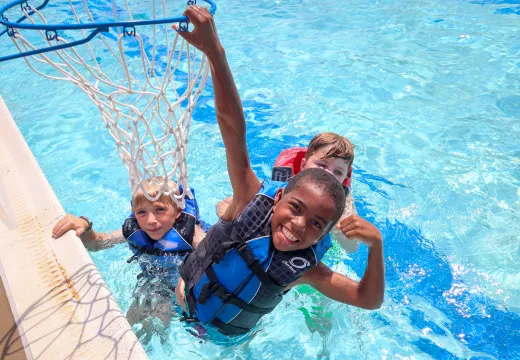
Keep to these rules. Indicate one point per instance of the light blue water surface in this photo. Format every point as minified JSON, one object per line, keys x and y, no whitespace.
{"x":428,"y":92}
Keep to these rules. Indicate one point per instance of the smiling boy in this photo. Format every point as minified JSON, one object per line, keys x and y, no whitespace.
{"x":269,"y":238}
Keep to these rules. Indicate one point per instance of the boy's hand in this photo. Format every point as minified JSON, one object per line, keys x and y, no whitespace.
{"x":179,"y":294}
{"x":204,"y":35}
{"x":69,"y":222}
{"x":355,"y":227}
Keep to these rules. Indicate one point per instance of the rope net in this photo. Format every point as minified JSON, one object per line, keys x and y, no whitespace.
{"x":144,"y":80}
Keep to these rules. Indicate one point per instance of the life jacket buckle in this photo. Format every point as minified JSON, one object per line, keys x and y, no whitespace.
{"x":213,"y":288}
{"x":188,"y":319}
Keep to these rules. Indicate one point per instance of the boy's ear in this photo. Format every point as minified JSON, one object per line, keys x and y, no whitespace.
{"x":302,"y":165}
{"x":278,"y":196}
{"x":179,"y":211}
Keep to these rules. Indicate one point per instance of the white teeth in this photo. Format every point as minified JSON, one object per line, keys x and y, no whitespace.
{"x":288,"y":235}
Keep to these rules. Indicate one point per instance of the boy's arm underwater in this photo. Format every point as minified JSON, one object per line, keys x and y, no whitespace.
{"x":368,"y":293}
{"x":92,"y":240}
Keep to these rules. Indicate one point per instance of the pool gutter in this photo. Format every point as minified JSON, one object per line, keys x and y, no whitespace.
{"x":53,"y":301}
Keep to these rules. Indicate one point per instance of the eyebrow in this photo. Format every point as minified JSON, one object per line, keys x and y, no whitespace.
{"x":302,"y":204}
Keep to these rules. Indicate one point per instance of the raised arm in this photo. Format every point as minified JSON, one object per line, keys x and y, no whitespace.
{"x":230,"y":115}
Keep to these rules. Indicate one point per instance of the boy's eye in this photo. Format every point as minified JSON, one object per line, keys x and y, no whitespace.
{"x":295,"y":206}
{"x":141,"y":212}
{"x":317,"y":225}
{"x":338,"y":173}
{"x":160,"y":209}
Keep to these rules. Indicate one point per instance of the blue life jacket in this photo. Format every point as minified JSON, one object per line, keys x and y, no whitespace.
{"x":163,"y":254}
{"x":236,"y":275}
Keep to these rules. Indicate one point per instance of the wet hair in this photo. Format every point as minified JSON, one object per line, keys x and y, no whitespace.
{"x":341,"y":147}
{"x":324,"y":181}
{"x":152,"y":188}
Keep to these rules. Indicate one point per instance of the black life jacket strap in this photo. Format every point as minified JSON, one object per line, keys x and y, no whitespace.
{"x":133,"y":258}
{"x":216,"y":288}
{"x":254,"y":265}
{"x":227,"y":329}
{"x":188,"y":318}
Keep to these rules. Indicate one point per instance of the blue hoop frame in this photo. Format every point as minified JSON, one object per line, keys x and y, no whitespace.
{"x":96,"y":27}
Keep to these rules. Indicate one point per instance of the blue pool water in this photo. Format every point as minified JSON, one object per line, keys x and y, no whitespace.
{"x":429,"y":93}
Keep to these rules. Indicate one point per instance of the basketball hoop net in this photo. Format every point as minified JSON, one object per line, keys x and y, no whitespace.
{"x":143,"y":77}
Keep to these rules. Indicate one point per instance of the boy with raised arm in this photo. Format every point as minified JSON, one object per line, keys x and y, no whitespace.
{"x":270,"y":238}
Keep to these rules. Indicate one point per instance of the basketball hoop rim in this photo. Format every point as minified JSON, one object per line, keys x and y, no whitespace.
{"x":100,"y":26}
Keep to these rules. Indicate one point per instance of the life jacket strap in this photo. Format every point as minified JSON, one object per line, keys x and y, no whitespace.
{"x":133,"y":258}
{"x":214,"y":287}
{"x":254,"y":265}
{"x":188,"y":319}
{"x":227,"y":329}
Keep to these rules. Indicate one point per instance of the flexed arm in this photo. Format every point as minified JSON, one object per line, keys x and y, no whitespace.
{"x":230,"y":114}
{"x":369,"y":292}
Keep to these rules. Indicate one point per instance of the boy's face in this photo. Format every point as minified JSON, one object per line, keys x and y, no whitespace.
{"x":336,"y":166}
{"x":156,"y":218}
{"x":301,"y":218}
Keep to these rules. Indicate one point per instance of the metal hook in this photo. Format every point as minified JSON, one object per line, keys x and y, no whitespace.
{"x":51,"y":35}
{"x":183,"y":26}
{"x":25,"y":6}
{"x":129,"y":31}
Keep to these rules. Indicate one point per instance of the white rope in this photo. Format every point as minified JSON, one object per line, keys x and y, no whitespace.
{"x":134,"y":81}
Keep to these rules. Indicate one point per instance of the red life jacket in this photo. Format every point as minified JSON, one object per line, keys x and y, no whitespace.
{"x":289,"y":162}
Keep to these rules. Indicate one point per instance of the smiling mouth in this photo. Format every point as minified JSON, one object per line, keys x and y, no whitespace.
{"x":289,"y":236}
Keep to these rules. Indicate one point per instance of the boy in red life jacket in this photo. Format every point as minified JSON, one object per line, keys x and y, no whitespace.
{"x":329,"y":151}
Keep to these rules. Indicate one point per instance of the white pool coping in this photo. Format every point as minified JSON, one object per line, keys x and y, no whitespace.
{"x":62,"y":307}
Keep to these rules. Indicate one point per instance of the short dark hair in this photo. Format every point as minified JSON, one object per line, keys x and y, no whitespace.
{"x":326,"y":182}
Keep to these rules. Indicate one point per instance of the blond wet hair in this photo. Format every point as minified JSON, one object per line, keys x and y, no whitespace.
{"x":153,"y":187}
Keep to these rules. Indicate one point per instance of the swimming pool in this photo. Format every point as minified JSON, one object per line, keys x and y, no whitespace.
{"x":428,"y":92}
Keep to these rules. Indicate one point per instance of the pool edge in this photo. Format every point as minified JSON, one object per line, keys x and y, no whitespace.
{"x":60,"y":305}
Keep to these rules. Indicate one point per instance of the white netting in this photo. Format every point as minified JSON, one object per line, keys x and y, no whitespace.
{"x":144,"y":80}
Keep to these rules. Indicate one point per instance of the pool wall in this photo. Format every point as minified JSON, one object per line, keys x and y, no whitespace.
{"x":53,"y":301}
